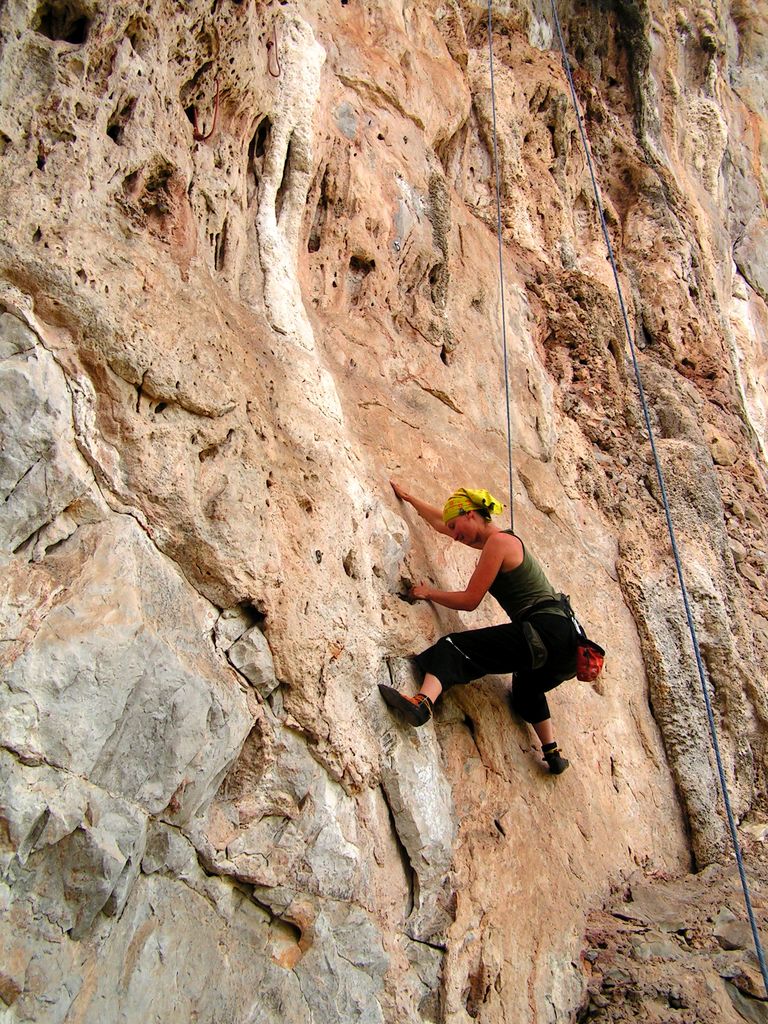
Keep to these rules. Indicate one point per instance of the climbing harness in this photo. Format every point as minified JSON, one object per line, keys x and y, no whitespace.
{"x":590,"y":656}
{"x":667,"y":510}
{"x":501,"y":271}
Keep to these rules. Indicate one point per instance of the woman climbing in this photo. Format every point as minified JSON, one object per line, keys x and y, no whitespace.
{"x":539,"y":643}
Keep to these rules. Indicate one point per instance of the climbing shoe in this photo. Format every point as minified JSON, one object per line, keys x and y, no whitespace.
{"x":555,"y":762}
{"x":416,"y":710}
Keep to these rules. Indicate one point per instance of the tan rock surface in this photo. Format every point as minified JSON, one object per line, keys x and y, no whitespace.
{"x":678,"y":949}
{"x":248,"y":273}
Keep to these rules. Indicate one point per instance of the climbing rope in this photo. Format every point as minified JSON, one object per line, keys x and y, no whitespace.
{"x":273,"y":54}
{"x":501,"y":270}
{"x":197,"y":134}
{"x":668,"y":514}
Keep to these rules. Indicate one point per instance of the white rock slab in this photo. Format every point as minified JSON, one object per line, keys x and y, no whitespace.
{"x":421,"y":801}
{"x":121,"y":683}
{"x":41,"y":471}
{"x":252,"y":657}
{"x":73,"y":850}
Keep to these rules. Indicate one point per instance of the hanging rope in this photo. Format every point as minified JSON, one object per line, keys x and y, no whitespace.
{"x":501,"y":270}
{"x":668,"y":514}
{"x":273,"y":54}
{"x":198,"y":135}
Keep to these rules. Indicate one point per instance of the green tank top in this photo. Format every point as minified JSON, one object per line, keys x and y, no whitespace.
{"x":518,"y":590}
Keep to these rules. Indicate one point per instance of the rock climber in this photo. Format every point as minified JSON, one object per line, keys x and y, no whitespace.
{"x":539,"y":643}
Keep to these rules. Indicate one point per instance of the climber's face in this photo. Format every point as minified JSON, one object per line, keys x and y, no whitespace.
{"x":464,"y":527}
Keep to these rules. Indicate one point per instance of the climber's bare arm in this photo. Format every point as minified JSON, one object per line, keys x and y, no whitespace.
{"x":491,"y":561}
{"x":431,"y":515}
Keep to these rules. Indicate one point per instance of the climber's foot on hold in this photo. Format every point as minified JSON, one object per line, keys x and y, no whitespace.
{"x":555,"y":761}
{"x":417,"y":710}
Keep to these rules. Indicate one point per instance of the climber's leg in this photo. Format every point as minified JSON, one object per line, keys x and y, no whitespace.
{"x":529,"y":688}
{"x":457,"y":659}
{"x":431,"y":687}
{"x":531,"y":704}
{"x":544,"y":731}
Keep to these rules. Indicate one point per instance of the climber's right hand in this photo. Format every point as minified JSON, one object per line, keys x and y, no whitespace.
{"x":399,"y":492}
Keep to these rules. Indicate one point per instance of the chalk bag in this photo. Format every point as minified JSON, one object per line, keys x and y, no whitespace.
{"x":589,"y":660}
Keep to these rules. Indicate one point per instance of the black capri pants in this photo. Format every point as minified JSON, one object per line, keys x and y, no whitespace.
{"x":461,"y":657}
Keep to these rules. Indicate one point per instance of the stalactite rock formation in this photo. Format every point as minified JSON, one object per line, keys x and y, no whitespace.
{"x":249,"y":274}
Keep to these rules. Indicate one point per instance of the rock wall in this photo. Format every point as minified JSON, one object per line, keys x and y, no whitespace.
{"x":248,"y":273}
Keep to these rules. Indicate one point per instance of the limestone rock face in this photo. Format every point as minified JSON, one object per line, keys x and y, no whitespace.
{"x":248,"y":274}
{"x":679,"y":947}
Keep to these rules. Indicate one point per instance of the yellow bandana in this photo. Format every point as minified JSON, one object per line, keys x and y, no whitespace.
{"x":468,"y":500}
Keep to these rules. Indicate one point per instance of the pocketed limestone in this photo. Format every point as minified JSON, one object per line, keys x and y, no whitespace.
{"x":232,"y":343}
